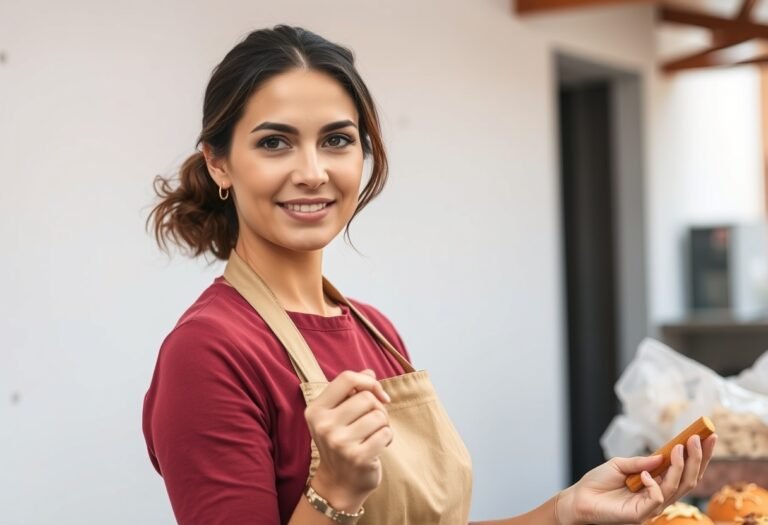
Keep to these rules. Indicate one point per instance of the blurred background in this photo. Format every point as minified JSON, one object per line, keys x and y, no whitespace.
{"x":567,"y":178}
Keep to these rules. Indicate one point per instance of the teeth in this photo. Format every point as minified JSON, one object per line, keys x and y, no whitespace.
{"x":306,"y":208}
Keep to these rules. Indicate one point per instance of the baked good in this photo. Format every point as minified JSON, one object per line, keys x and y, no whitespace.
{"x":680,"y":514}
{"x":752,"y":519}
{"x":737,"y":500}
{"x":741,"y":434}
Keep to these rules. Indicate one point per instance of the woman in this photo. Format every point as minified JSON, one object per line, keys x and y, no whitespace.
{"x":275,"y":399}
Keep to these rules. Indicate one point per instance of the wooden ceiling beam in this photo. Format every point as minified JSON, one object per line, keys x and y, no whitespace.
{"x":738,"y":40}
{"x":734,"y":27}
{"x":533,"y":6}
{"x":734,"y":40}
{"x":678,"y":15}
{"x":745,"y":13}
{"x":736,"y":53}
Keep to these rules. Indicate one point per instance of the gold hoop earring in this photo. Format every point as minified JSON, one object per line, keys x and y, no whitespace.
{"x":223,"y":196}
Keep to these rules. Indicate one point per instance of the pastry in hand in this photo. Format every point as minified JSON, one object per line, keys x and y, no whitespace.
{"x":680,"y":514}
{"x":738,"y":500}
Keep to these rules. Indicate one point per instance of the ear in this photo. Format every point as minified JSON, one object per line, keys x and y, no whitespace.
{"x":217,"y":167}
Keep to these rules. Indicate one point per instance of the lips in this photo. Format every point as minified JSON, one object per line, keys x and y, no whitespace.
{"x":307,"y":216}
{"x":305,"y":207}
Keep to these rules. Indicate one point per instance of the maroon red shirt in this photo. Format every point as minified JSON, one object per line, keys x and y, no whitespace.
{"x":224,"y":415}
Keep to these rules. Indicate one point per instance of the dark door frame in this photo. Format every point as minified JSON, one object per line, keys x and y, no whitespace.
{"x":603,"y":244}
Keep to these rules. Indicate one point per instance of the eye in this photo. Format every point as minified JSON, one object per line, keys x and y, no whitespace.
{"x":343,"y":137}
{"x":270,"y":143}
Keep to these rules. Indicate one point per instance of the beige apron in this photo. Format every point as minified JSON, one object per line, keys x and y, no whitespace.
{"x":427,"y":470}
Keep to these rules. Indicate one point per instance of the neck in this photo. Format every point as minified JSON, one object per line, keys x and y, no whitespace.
{"x":296,"y":278}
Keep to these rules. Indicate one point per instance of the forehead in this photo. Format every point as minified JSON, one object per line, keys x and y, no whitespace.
{"x":302,"y":98}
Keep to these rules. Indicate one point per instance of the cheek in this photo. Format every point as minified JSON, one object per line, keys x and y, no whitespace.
{"x":258,"y":186}
{"x":260,"y":177}
{"x":351,"y":172}
{"x":350,"y":185}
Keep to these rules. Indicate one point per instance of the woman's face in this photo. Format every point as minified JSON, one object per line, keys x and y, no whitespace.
{"x":297,"y":140}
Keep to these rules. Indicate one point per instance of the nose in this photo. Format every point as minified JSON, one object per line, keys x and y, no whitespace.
{"x":311,"y":172}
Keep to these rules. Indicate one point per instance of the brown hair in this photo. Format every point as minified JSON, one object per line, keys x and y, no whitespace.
{"x":190,"y":213}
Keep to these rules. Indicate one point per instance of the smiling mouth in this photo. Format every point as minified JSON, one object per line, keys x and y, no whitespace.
{"x":306,"y":208}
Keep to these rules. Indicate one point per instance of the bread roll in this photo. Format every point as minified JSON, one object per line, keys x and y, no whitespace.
{"x":680,"y":514}
{"x":737,"y":500}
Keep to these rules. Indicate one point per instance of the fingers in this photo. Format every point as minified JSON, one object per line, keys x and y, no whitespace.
{"x":357,"y":406}
{"x":371,"y":447}
{"x":367,"y":425}
{"x":671,"y":480}
{"x":367,"y":371}
{"x":708,"y":448}
{"x":688,"y":464}
{"x":684,"y":473}
{"x":654,"y":497}
{"x":692,"y":466}
{"x":638,"y":464}
{"x":340,"y":388}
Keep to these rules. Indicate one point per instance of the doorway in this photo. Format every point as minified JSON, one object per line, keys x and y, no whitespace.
{"x":603,"y":243}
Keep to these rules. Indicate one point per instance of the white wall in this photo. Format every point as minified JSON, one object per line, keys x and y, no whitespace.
{"x":462,"y":249}
{"x":707,"y":168}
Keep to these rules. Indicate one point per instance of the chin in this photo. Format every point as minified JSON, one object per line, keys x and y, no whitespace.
{"x":308,"y":244}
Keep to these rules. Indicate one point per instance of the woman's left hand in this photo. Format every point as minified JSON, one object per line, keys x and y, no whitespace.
{"x":602,"y":497}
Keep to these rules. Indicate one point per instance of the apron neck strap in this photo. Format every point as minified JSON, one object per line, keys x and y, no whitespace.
{"x":254,"y":290}
{"x":333,"y":293}
{"x":258,"y":294}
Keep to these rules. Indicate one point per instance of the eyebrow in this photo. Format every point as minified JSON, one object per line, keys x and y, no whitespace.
{"x":285,"y":128}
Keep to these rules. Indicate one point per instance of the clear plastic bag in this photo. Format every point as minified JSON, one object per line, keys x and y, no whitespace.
{"x":756,"y":377}
{"x":662,"y":391}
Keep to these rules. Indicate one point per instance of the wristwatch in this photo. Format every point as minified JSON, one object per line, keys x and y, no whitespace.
{"x":321,"y":504}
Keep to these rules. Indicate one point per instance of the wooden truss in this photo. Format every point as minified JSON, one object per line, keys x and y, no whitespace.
{"x":737,"y":40}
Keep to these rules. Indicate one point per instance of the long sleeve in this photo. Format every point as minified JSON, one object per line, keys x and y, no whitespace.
{"x":208,"y":434}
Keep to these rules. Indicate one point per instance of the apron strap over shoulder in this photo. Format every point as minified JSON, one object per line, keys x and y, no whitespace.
{"x":258,"y":294}
{"x":335,"y":294}
{"x":253,"y":288}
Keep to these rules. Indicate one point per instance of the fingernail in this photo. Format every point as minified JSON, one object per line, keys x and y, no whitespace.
{"x":386,"y":396}
{"x":697,"y":441}
{"x":645,"y":475}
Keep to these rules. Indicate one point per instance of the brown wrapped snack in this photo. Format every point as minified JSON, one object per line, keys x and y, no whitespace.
{"x":702,"y":426}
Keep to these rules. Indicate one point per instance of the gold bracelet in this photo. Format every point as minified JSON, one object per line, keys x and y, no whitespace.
{"x":322,"y":505}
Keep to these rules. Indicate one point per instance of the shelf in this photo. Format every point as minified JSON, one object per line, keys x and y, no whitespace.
{"x":728,"y":346}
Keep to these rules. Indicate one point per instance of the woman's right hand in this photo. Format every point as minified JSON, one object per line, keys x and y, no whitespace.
{"x":350,"y":426}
